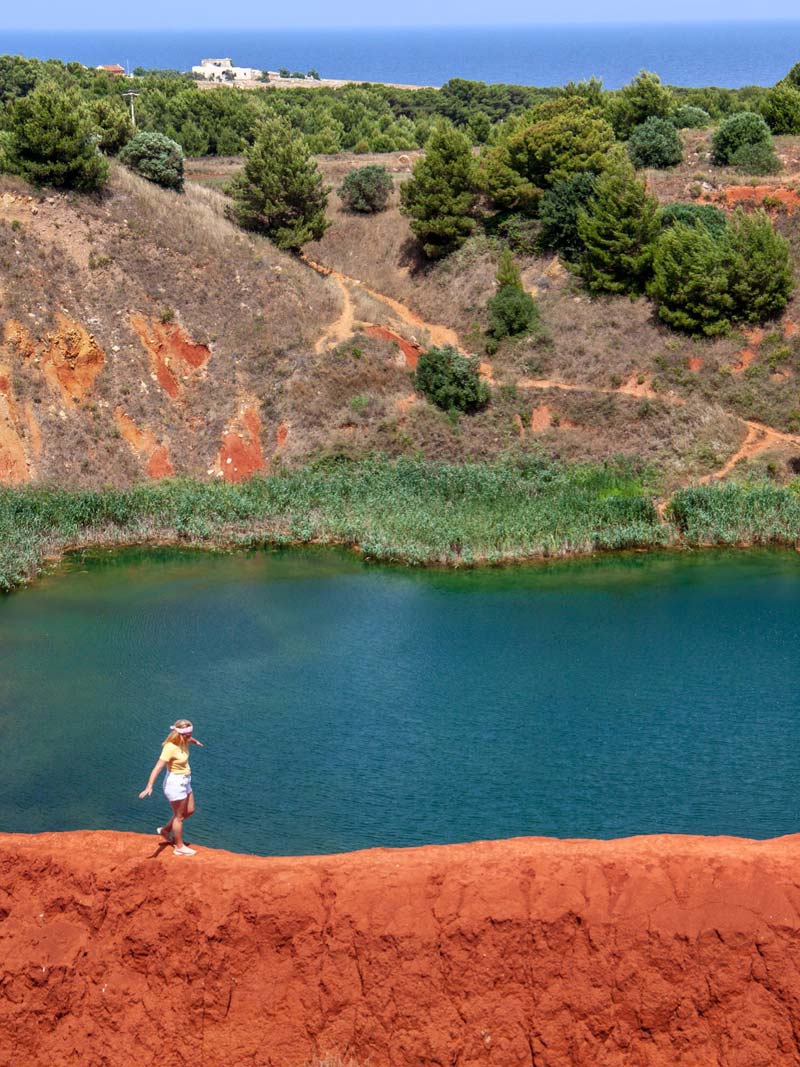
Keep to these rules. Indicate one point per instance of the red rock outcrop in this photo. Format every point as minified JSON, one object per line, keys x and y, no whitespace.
{"x":649,"y":952}
{"x":173,"y":354}
{"x":69,"y":356}
{"x":13,"y":459}
{"x":145,"y":445}
{"x":768,"y":196}
{"x":240,"y":454}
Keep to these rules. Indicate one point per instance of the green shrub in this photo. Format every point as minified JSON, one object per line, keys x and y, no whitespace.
{"x":366,"y":190}
{"x":742,"y":128}
{"x":155,"y":157}
{"x":704,"y":282}
{"x":558,"y":214}
{"x":655,"y":143}
{"x":512,"y":312}
{"x":690,"y":281}
{"x":706,"y":215}
{"x":781,"y":109}
{"x":643,"y":98}
{"x":440,"y":197}
{"x":451,"y":381}
{"x":53,"y":140}
{"x":792,"y":79}
{"x":756,"y":159}
{"x":761,"y":276}
{"x":520,"y":232}
{"x":687,"y":117}
{"x":280,"y":192}
{"x":617,"y":229}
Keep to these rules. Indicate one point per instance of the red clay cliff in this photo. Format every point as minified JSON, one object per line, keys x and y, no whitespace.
{"x":662,"y":951}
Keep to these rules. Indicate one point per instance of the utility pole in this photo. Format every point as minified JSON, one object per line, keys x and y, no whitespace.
{"x":131,"y":94}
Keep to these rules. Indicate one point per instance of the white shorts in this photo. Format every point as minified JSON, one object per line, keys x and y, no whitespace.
{"x":177,"y":786}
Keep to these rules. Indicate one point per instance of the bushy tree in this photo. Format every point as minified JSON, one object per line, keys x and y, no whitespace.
{"x":451,"y":381}
{"x":155,"y":157}
{"x":655,"y":143}
{"x":617,"y":229}
{"x":761,"y":276}
{"x":704,"y":282}
{"x":366,"y":190}
{"x":554,"y":141}
{"x":440,"y":197}
{"x":512,"y":311}
{"x":687,"y":117}
{"x":706,"y":215}
{"x":558,"y":214}
{"x":781,"y":109}
{"x":54,"y":141}
{"x":690,"y":281}
{"x":742,"y":128}
{"x":756,"y":159}
{"x":643,"y":98}
{"x":280,"y":191}
{"x":113,"y":124}
{"x":792,"y":78}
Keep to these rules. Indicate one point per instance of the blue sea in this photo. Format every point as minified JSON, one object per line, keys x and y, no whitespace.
{"x":698,"y":54}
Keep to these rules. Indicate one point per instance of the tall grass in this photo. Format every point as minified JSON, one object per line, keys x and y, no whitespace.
{"x":406,"y":510}
{"x":738,"y":513}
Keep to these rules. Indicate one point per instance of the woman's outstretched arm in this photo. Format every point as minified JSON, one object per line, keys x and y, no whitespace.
{"x":148,"y":789}
{"x":194,"y":741}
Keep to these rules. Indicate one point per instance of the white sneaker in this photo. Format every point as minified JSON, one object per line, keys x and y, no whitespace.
{"x":185,"y":851}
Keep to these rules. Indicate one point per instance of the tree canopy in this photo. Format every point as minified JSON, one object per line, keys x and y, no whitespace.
{"x":280,"y":192}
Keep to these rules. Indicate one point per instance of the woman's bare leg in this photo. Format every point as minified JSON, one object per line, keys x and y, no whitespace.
{"x":176,"y":822}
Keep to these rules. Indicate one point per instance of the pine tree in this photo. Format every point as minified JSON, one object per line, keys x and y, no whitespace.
{"x":507,"y":271}
{"x":761,"y":276}
{"x":54,"y":140}
{"x":440,"y":196}
{"x":690,"y":282}
{"x":280,"y":192}
{"x":617,"y":229}
{"x":547,"y":145}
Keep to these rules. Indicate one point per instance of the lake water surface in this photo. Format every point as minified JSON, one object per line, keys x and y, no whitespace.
{"x":344,"y":705}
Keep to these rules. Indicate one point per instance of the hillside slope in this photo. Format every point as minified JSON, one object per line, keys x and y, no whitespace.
{"x":142,"y":334}
{"x":653,"y":951}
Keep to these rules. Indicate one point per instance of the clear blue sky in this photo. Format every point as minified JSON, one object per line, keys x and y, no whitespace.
{"x":266,"y":14}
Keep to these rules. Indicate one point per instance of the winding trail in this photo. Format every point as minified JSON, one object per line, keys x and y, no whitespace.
{"x":341,"y":329}
{"x":758,"y":438}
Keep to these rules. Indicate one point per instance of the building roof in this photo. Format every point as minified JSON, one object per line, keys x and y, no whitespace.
{"x":112,"y":68}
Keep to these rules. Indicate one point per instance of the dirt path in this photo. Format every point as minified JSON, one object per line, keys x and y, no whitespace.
{"x":757,"y":440}
{"x":437,"y":333}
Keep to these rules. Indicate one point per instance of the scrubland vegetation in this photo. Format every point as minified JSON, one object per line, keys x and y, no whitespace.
{"x":579,"y":238}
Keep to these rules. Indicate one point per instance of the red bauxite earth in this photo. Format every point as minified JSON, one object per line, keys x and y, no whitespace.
{"x":659,"y":951}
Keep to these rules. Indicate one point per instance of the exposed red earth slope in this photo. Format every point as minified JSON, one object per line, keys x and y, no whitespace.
{"x":659,"y":951}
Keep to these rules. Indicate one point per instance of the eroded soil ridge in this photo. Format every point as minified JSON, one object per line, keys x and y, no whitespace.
{"x":656,"y":951}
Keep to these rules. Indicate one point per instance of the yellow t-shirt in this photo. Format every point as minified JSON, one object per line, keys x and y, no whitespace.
{"x":176,"y":758}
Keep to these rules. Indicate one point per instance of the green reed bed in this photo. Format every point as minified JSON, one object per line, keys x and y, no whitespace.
{"x":738,"y":513}
{"x":406,"y":510}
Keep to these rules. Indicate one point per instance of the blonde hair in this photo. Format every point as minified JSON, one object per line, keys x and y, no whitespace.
{"x":175,"y":737}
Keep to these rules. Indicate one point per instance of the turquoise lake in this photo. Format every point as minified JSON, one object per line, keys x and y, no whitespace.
{"x":344,"y":705}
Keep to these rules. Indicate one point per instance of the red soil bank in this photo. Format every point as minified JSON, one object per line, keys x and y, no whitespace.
{"x":409,"y":349}
{"x":172,"y":352}
{"x":755,"y":195}
{"x":654,"y":952}
{"x":241,"y":454}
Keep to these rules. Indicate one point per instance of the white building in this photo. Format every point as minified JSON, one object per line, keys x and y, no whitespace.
{"x":223,"y":70}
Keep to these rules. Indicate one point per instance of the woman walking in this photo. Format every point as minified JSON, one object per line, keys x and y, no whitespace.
{"x":177,"y":783}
